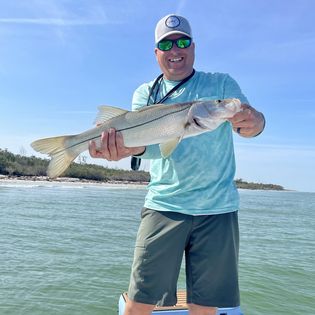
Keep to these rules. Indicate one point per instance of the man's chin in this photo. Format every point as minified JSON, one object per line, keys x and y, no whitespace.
{"x":177,"y":74}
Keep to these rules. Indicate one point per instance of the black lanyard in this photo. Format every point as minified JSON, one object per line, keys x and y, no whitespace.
{"x":135,"y":161}
{"x":158,"y":82}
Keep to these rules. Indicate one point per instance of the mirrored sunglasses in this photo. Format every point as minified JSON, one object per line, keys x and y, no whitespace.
{"x":167,"y":44}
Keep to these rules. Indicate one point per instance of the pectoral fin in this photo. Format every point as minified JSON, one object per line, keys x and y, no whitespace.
{"x":168,"y":147}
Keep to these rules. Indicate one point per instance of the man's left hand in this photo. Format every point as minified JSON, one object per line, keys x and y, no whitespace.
{"x":248,"y":122}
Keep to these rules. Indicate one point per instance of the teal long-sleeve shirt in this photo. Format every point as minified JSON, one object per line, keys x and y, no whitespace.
{"x":198,"y":177}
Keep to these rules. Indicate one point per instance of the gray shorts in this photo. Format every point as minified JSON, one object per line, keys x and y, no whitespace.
{"x":211,"y":246}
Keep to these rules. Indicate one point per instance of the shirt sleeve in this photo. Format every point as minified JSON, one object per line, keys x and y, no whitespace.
{"x":232,"y":90}
{"x":139,"y":99}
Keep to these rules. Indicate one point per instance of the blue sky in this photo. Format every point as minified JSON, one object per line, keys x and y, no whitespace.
{"x":61,"y":59}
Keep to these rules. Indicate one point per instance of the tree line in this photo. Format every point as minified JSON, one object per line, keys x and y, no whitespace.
{"x":17,"y":165}
{"x":22,"y":166}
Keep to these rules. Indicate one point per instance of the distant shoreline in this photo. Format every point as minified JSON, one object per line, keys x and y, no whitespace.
{"x":68,"y":181}
{"x":19,"y":168}
{"x":124,"y":183}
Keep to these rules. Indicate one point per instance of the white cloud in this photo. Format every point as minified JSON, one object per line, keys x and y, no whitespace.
{"x":61,"y":13}
{"x":55,"y":21}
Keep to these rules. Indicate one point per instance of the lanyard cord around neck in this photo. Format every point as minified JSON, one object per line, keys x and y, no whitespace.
{"x":158,"y":82}
{"x":136,"y":161}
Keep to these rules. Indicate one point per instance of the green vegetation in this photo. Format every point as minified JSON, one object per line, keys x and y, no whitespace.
{"x":21,"y":166}
{"x":15,"y":165}
{"x":257,"y":186}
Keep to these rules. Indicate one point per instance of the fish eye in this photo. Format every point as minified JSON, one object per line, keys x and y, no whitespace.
{"x":219,"y":101}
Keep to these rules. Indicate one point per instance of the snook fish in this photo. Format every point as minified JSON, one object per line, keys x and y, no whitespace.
{"x":163,"y":124}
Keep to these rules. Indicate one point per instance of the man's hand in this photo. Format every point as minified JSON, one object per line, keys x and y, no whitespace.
{"x":248,"y":122}
{"x":112,"y":147}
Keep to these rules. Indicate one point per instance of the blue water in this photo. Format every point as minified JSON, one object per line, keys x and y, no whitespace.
{"x":67,"y":249}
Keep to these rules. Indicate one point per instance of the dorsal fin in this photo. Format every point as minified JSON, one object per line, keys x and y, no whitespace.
{"x":108,"y":112}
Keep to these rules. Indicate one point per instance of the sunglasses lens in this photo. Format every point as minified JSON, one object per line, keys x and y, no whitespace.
{"x":165,"y":45}
{"x":183,"y":42}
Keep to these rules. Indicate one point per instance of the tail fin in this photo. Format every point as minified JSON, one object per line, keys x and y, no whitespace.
{"x":61,"y":153}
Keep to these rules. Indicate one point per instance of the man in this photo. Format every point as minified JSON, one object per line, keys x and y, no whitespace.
{"x":192,"y":202}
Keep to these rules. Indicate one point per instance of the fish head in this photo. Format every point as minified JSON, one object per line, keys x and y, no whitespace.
{"x":208,"y":115}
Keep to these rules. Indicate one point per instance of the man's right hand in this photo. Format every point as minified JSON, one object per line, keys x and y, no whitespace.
{"x":112,"y":147}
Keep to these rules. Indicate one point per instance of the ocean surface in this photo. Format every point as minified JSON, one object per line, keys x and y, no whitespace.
{"x":67,"y":249}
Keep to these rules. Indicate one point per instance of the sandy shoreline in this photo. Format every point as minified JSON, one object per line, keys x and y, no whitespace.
{"x":43,"y":180}
{"x":67,"y":181}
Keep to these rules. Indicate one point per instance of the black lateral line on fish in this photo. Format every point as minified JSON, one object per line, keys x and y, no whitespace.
{"x":118,"y":130}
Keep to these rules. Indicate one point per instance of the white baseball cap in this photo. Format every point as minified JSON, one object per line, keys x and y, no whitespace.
{"x":172,"y":24}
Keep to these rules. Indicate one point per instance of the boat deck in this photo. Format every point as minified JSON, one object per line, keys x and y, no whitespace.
{"x":180,"y":305}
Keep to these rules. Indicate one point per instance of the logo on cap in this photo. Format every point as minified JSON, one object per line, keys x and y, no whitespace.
{"x":172,"y":21}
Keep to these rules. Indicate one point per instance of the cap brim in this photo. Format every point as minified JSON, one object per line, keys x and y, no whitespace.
{"x":171,"y":33}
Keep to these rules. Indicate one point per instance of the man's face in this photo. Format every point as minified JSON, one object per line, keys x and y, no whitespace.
{"x":176,"y":63}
